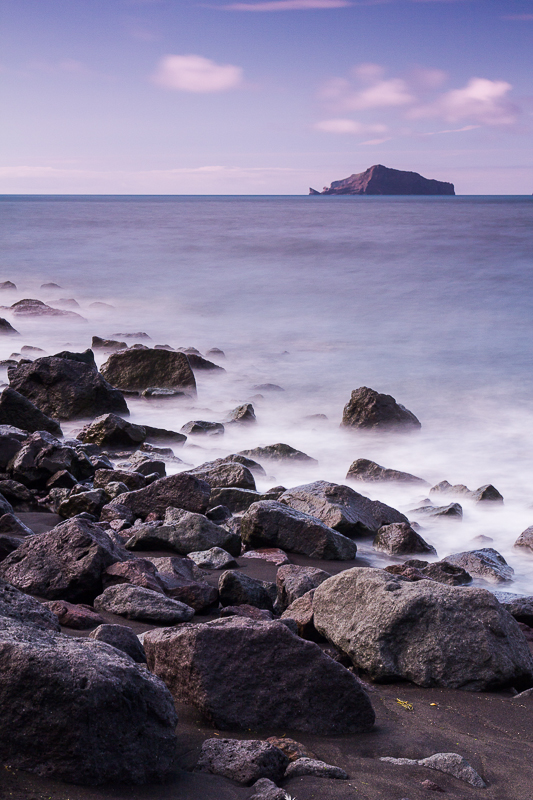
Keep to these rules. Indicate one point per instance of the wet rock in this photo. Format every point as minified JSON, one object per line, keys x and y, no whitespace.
{"x":400,"y":539}
{"x":42,"y":456}
{"x":148,"y":464}
{"x":187,"y":534}
{"x":368,"y":471}
{"x":238,"y":458}
{"x":440,"y":571}
{"x":76,"y":616}
{"x":235,"y":499}
{"x":279,"y":452}
{"x":237,"y":589}
{"x":450,"y":763}
{"x":65,"y":388}
{"x":272,"y":554}
{"x":183,"y":491}
{"x":64,"y":564}
{"x":453,"y":511}
{"x":111,"y":719}
{"x":19,"y":412}
{"x":6,"y":329}
{"x":243,"y":761}
{"x":242,"y":415}
{"x":7,"y":545}
{"x":36,"y":308}
{"x":486,"y":563}
{"x":400,"y":630}
{"x":214,"y":558}
{"x":316,"y":768}
{"x":521,"y":608}
{"x":270,"y":523}
{"x":312,"y":692}
{"x":139,"y":335}
{"x":200,"y":427}
{"x":62,"y":479}
{"x":11,"y":524}
{"x":137,"y":571}
{"x":20,"y":608}
{"x":110,"y":430}
{"x":107,"y":344}
{"x":485,"y":494}
{"x":198,"y":362}
{"x":11,"y":440}
{"x":91,"y":502}
{"x":525,"y":540}
{"x":142,"y":369}
{"x":369,"y":409}
{"x":301,"y":611}
{"x":5,"y":507}
{"x":121,"y":637}
{"x":18,"y":495}
{"x":293,"y":581}
{"x":117,"y":513}
{"x":136,"y":602}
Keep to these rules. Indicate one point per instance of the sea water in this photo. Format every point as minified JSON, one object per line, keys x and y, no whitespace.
{"x":427,"y":299}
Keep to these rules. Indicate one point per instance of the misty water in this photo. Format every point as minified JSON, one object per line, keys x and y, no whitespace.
{"x":427,"y":299}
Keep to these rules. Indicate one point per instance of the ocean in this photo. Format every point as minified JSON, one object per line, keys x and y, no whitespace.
{"x":427,"y":299}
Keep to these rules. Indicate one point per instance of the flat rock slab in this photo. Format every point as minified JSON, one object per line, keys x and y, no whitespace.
{"x":242,"y":761}
{"x":135,"y":602}
{"x":450,"y":763}
{"x":180,"y":491}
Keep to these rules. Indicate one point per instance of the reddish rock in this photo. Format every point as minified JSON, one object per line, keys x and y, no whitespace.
{"x":79,"y":617}
{"x":272,"y":554}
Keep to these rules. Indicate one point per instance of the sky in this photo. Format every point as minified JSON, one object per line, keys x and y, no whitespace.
{"x":263,"y":96}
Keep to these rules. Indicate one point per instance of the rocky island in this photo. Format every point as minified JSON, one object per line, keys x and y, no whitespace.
{"x":383,"y":180}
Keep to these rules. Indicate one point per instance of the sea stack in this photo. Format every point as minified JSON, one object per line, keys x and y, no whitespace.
{"x":383,"y":180}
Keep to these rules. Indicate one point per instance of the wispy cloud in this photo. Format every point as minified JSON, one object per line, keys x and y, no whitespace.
{"x":192,"y":73}
{"x":403,"y":106}
{"x":287,"y":5}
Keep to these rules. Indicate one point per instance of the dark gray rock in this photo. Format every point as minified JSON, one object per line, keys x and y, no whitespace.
{"x":485,"y":494}
{"x":242,"y":675}
{"x":11,"y":524}
{"x":198,"y":362}
{"x":42,"y":456}
{"x":87,"y":357}
{"x":187,"y":534}
{"x":400,"y":630}
{"x":6,"y":329}
{"x":341,"y":508}
{"x":243,"y":761}
{"x":301,"y":611}
{"x":368,"y":471}
{"x":5,"y":507}
{"x":143,"y":369}
{"x":110,"y":430}
{"x":265,"y":789}
{"x":242,"y":415}
{"x":238,"y":458}
{"x":65,"y":564}
{"x":521,"y":608}
{"x":380,"y":180}
{"x":316,"y":768}
{"x":17,"y":606}
{"x":525,"y":540}
{"x":107,"y":344}
{"x":369,"y":409}
{"x":293,"y":581}
{"x":400,"y":539}
{"x":136,"y":602}
{"x":95,"y":714}
{"x":121,"y":637}
{"x":7,"y":545}
{"x":440,"y":571}
{"x":486,"y":563}
{"x":249,"y":612}
{"x":237,"y":589}
{"x":235,"y":499}
{"x":214,"y":558}
{"x":180,"y":491}
{"x":200,"y":427}
{"x":91,"y":502}
{"x":200,"y":596}
{"x":7,"y":286}
{"x":225,"y":474}
{"x":19,"y":412}
{"x":279,"y":452}
{"x":36,"y":308}
{"x":137,"y":571}
{"x":148,"y":464}
{"x":11,"y":440}
{"x":449,"y":763}
{"x":273,"y":524}
{"x":66,"y":389}
{"x":453,"y":511}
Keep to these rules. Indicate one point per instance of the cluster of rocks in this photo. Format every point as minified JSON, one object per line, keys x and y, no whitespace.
{"x":102,"y":706}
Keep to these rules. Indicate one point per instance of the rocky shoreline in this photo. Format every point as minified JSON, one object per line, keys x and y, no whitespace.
{"x":133,"y":585}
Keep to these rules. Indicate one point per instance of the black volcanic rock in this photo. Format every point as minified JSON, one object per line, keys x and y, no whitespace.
{"x":383,"y":180}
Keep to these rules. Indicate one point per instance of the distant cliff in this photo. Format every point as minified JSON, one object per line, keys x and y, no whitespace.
{"x":382,"y":180}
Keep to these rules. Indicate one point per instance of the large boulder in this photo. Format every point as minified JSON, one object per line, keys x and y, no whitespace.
{"x":369,"y":409}
{"x":369,"y":472}
{"x":243,"y":674}
{"x":43,"y":456}
{"x":23,"y":609}
{"x":81,"y":711}
{"x":485,"y":563}
{"x":66,"y":388}
{"x":425,"y":632}
{"x":400,"y":539}
{"x":188,"y":534}
{"x":340,"y":507}
{"x":143,"y":369}
{"x":180,"y":491}
{"x":145,"y":605}
{"x":19,"y":412}
{"x":11,"y":440}
{"x":110,"y":430}
{"x":272,"y":524}
{"x":237,"y":589}
{"x":293,"y":581}
{"x":121,"y":637}
{"x":64,"y":564}
{"x":133,"y":480}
